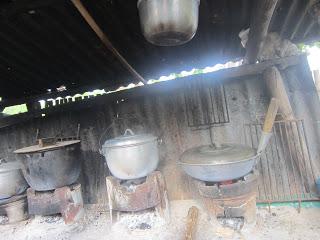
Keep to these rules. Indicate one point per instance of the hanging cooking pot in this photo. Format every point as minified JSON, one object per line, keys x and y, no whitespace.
{"x":217,"y":163}
{"x":169,"y":22}
{"x":53,"y":166}
{"x":131,"y":156}
{"x":12,"y":181}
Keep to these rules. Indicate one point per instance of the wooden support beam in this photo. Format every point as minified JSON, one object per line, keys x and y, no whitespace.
{"x":259,"y":26}
{"x":105,"y":40}
{"x":277,"y":89}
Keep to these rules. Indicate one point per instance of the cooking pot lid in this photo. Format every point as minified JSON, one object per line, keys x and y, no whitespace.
{"x":128,"y":140}
{"x":211,"y":155}
{"x":38,"y":149}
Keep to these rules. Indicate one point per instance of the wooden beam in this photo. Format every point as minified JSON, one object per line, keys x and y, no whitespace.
{"x":105,"y":40}
{"x":221,"y":75}
{"x":277,"y":89}
{"x":263,"y":12}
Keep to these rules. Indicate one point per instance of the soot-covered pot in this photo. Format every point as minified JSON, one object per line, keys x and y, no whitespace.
{"x":49,"y":167}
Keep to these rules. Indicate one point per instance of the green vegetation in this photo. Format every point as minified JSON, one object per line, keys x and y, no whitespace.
{"x":15,"y":109}
{"x":304,"y":48}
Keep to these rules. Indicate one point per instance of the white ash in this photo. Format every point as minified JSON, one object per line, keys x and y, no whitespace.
{"x":3,"y":220}
{"x":131,"y":185}
{"x":233,"y":223}
{"x":141,"y":220}
{"x":51,"y":219}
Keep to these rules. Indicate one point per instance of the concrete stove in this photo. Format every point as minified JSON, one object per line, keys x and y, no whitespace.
{"x":138,"y":195}
{"x":66,"y":200}
{"x":232,"y":199}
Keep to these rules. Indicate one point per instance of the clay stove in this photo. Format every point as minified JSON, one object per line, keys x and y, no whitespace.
{"x":138,"y":195}
{"x":231,"y":199}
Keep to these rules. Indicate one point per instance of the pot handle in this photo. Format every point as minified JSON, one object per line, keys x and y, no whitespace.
{"x":128,"y":132}
{"x":102,"y":135}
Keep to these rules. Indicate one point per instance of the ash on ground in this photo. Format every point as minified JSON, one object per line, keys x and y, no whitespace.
{"x":233,"y":223}
{"x":140,"y":220}
{"x":52,"y":218}
{"x":3,"y":220}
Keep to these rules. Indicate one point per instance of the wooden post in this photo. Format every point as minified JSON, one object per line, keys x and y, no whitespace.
{"x":277,"y":90}
{"x":316,"y":78}
{"x":192,"y":220}
{"x":259,"y":26}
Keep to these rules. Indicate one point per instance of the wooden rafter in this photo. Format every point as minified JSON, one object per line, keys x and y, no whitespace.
{"x":105,"y":40}
{"x":259,"y":26}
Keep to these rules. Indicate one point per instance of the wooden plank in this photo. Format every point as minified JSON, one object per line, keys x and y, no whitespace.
{"x":277,"y":89}
{"x":105,"y":40}
{"x":192,"y":220}
{"x":259,"y":26}
{"x":271,"y":115}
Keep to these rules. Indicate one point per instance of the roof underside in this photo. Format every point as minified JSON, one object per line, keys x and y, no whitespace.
{"x":46,"y":43}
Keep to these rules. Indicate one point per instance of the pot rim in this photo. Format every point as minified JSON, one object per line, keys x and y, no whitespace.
{"x":139,"y":2}
{"x":218,"y":164}
{"x":131,"y":145}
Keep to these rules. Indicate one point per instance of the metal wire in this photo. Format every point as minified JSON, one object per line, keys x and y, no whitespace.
{"x":286,"y":170}
{"x":205,"y":105}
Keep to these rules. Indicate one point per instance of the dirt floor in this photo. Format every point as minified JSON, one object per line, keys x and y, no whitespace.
{"x":282,"y":223}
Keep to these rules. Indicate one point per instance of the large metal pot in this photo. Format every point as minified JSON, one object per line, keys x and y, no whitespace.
{"x":217,"y":163}
{"x":48,"y":168}
{"x":131,"y":156}
{"x":169,"y":22}
{"x":12,"y":181}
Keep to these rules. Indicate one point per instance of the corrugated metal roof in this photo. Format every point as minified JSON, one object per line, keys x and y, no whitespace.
{"x":45,"y":44}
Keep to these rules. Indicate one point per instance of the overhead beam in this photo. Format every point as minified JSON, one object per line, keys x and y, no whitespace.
{"x":221,"y":75}
{"x":105,"y":40}
{"x":260,"y":21}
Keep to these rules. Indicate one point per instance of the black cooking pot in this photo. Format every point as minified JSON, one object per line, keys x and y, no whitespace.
{"x":50,"y":168}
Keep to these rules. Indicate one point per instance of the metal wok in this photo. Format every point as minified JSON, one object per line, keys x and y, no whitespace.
{"x":217,"y":163}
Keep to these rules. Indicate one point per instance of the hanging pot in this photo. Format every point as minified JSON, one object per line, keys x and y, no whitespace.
{"x":49,"y":167}
{"x":12,"y":181}
{"x":131,"y":156}
{"x":169,"y":22}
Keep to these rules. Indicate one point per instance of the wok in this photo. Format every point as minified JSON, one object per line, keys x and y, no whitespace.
{"x":217,"y":163}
